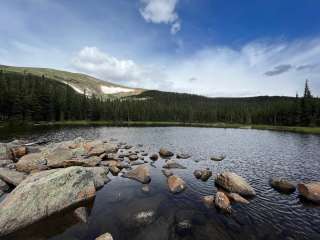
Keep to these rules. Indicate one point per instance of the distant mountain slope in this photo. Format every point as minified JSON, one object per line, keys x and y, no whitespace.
{"x":79,"y":82}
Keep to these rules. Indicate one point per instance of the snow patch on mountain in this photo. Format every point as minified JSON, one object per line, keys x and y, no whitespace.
{"x":114,"y":90}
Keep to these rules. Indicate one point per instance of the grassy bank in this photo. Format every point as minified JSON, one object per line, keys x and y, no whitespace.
{"x":310,"y":130}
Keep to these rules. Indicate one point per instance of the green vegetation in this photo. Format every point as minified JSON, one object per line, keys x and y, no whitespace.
{"x":26,"y":97}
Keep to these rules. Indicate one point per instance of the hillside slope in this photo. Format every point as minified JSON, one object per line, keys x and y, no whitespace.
{"x":79,"y":82}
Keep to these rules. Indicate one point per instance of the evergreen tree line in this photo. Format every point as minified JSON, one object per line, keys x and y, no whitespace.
{"x":26,"y":97}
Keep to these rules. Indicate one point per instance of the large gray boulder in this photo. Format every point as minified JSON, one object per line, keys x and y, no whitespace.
{"x":310,"y":191}
{"x":11,"y":176}
{"x":43,"y":194}
{"x":140,"y":174}
{"x":31,"y":162}
{"x":234,"y":183}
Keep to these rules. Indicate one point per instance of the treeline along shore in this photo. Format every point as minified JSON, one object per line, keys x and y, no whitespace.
{"x":30,"y":98}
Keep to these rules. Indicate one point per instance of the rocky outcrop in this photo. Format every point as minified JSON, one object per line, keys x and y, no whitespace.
{"x":310,"y":191}
{"x":30,"y":162}
{"x":11,"y":176}
{"x":173,"y":164}
{"x":165,"y":153}
{"x":141,"y":174}
{"x":176,"y":184}
{"x":282,"y":185}
{"x":222,"y":202}
{"x":234,"y":183}
{"x":43,"y":194}
{"x":106,"y":236}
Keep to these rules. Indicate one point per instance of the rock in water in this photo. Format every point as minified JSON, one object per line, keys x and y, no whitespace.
{"x":205,"y":175}
{"x":43,"y":194}
{"x":4,"y":186}
{"x":176,"y":184}
{"x":81,"y":214}
{"x":208,"y":200}
{"x":167,"y":173}
{"x":114,"y":170}
{"x":133,"y":157}
{"x":30,"y":162}
{"x":310,"y":191}
{"x":106,"y":236}
{"x":154,"y":157}
{"x":173,"y":164}
{"x":165,"y":152}
{"x":141,"y":174}
{"x":234,"y":183}
{"x":100,"y":176}
{"x":11,"y":176}
{"x":197,"y":174}
{"x":222,"y":202}
{"x":235,"y":197}
{"x":282,"y":185}
{"x":183,"y":156}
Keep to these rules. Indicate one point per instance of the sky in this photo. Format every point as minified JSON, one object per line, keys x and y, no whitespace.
{"x":216,"y":48}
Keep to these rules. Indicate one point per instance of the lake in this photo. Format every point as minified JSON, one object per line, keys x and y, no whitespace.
{"x":253,"y":154}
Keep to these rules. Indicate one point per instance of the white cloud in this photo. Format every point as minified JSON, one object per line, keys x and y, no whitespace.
{"x":161,"y":11}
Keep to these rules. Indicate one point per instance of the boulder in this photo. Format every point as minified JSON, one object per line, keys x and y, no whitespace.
{"x":133,"y":157}
{"x":222,"y":202}
{"x":234,"y":183}
{"x":97,"y":150}
{"x":208,"y":200}
{"x":114,"y":170}
{"x":81,"y":213}
{"x":154,"y":157}
{"x":100,"y":176}
{"x":88,"y":146}
{"x":205,"y":175}
{"x":43,"y":194}
{"x":106,"y":236}
{"x":176,"y":184}
{"x":4,"y":186}
{"x":167,"y":172}
{"x":282,"y":185}
{"x":141,"y":174}
{"x":139,"y":162}
{"x":31,"y":162}
{"x":173,"y":164}
{"x":165,"y":153}
{"x":57,"y":157}
{"x":85,"y":162}
{"x":11,"y":176}
{"x":183,"y":156}
{"x":18,"y":151}
{"x":235,"y":197}
{"x":145,"y":188}
{"x":310,"y":191}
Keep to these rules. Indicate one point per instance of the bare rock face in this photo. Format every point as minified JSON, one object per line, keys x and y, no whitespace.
{"x":56,"y":158}
{"x":235,"y":197}
{"x":310,"y":191}
{"x":222,"y":202}
{"x":176,"y":184}
{"x":173,"y":164}
{"x":165,"y":152}
{"x":11,"y":176}
{"x":282,"y":185}
{"x":234,"y":183}
{"x":141,"y":174}
{"x":106,"y":236}
{"x":30,"y":162}
{"x":43,"y":194}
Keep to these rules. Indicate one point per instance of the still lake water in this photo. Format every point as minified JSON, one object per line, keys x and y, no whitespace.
{"x":255,"y":155}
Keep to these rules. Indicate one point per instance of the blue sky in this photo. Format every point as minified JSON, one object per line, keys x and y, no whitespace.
{"x":209,"y":47}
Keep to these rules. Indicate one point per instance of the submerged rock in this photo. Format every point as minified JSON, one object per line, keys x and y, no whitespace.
{"x":184,"y":227}
{"x":165,"y":152}
{"x":282,"y":185}
{"x":145,"y":188}
{"x":222,"y":202}
{"x":100,"y":176}
{"x":11,"y":176}
{"x":183,"y":155}
{"x":173,"y":164}
{"x":234,"y":183}
{"x":167,"y":172}
{"x":43,"y":194}
{"x":81,"y":214}
{"x":140,"y":174}
{"x":30,"y":162}
{"x":4,"y":186}
{"x":208,"y":200}
{"x":176,"y":184}
{"x":310,"y":191}
{"x":154,"y":157}
{"x":106,"y":236}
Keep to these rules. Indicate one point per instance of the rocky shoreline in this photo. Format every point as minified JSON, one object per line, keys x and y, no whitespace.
{"x":41,"y":179}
